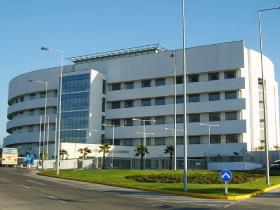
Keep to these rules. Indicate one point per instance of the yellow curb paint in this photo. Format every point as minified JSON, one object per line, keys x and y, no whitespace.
{"x":195,"y":195}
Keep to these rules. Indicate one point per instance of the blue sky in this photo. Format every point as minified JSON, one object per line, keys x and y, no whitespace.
{"x":87,"y":26}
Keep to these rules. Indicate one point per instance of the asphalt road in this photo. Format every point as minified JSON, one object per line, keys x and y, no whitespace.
{"x":21,"y":189}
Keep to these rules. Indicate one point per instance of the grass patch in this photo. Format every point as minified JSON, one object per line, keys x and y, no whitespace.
{"x":118,"y":177}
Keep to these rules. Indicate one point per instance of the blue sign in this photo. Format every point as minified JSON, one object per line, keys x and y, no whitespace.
{"x":226,"y":175}
{"x":29,"y":159}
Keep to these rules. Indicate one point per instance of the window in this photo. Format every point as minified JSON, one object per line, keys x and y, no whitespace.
{"x":160,"y":120}
{"x":213,"y":76}
{"x":230,"y":95}
{"x":194,"y":98}
{"x":104,"y":86}
{"x":21,"y":99}
{"x":128,"y":122}
{"x":232,"y":138}
{"x":180,"y":140}
{"x":117,"y":142}
{"x":146,"y":83}
{"x":214,"y":116}
{"x":194,"y":78}
{"x":194,"y":139}
{"x":148,"y":141}
{"x":160,"y":82}
{"x":146,"y":102}
{"x":128,"y":104}
{"x":42,"y":95}
{"x":160,"y":101}
{"x":32,"y":96}
{"x":159,"y":141}
{"x":31,"y":112}
{"x":215,"y":96}
{"x":116,"y":104}
{"x":103,"y":104}
{"x":116,"y":122}
{"x":229,"y":74}
{"x":128,"y":142}
{"x":179,"y":99}
{"x":75,"y":101}
{"x":41,"y":111}
{"x":179,"y":80}
{"x":231,"y":115}
{"x":180,"y":118}
{"x":30,"y":128}
{"x":102,"y":123}
{"x":116,"y":86}
{"x":75,"y":83}
{"x":129,"y":85}
{"x":194,"y":118}
{"x":74,"y":120}
{"x":147,"y":122}
{"x":215,"y":139}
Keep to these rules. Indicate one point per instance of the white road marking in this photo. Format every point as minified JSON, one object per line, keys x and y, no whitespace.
{"x":39,"y":183}
{"x":24,"y":186}
{"x":51,"y":197}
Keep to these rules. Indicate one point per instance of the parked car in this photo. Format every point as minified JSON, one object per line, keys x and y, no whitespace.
{"x":275,"y":165}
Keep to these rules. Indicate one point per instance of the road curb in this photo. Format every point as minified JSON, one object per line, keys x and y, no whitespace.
{"x":195,"y":195}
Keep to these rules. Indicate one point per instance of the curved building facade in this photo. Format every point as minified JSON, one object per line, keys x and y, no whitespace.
{"x":121,"y":88}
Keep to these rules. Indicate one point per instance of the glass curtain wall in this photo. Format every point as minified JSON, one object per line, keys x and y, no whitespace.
{"x":75,"y":108}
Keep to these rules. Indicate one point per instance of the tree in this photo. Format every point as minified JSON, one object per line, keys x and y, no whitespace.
{"x":44,"y":155}
{"x":276,"y":147}
{"x":104,"y":148}
{"x":84,"y":151}
{"x":170,"y":150}
{"x":141,"y":150}
{"x":63,"y":153}
{"x":260,"y":148}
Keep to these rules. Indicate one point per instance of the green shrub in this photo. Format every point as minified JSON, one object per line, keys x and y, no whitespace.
{"x":196,"y":178}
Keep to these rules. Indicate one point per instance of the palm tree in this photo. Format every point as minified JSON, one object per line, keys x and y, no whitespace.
{"x":276,"y":147}
{"x":170,"y":150}
{"x":84,"y":151}
{"x":104,"y":148}
{"x":63,"y":153}
{"x":141,"y":150}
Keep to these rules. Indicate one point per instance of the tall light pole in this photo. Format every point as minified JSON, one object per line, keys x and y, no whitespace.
{"x":185,"y":102}
{"x":173,"y":55}
{"x":59,"y":110}
{"x":209,"y":138}
{"x":263,"y":92}
{"x":45,"y":115}
{"x":113,"y":141}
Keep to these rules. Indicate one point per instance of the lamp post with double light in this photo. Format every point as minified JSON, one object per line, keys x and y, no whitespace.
{"x":59,"y":104}
{"x":209,"y":138}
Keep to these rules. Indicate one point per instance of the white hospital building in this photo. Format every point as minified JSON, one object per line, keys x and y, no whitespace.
{"x":224,"y":87}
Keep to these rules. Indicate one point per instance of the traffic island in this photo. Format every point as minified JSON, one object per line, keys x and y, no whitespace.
{"x":201,"y":184}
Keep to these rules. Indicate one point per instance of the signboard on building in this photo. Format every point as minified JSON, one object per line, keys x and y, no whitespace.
{"x":9,"y":156}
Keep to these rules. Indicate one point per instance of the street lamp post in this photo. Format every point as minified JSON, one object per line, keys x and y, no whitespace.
{"x":59,"y":110}
{"x":209,"y":138}
{"x":263,"y":92}
{"x":185,"y":102}
{"x":45,"y":115}
{"x":173,"y":55}
{"x":175,"y":142}
{"x":144,"y":130}
{"x":113,"y":142}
